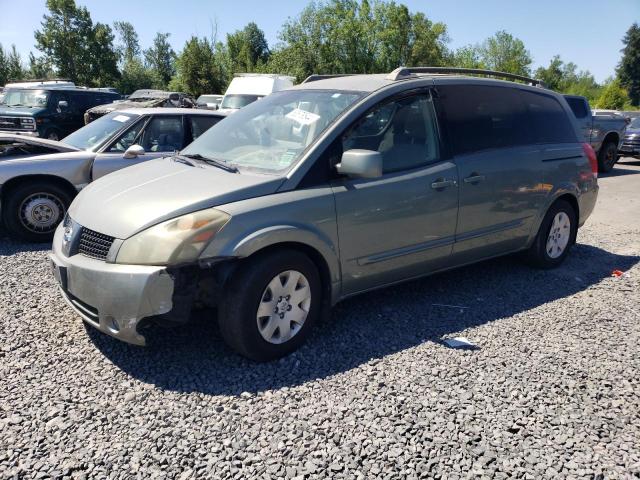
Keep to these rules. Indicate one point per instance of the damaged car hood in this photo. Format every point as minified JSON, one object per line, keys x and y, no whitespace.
{"x":12,"y":139}
{"x":122,"y":105}
{"x":135,"y":198}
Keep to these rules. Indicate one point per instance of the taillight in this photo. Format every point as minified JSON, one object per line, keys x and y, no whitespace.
{"x":593,"y":160}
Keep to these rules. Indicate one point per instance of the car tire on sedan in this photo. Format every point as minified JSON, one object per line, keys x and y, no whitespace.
{"x":273,"y":301}
{"x":32,"y":211}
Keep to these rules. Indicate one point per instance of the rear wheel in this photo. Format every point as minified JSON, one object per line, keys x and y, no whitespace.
{"x":607,"y":157}
{"x":32,"y":211}
{"x":272,"y":304}
{"x":556,"y":236}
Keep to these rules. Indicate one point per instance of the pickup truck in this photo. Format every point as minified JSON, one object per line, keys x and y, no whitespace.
{"x":603,"y":132}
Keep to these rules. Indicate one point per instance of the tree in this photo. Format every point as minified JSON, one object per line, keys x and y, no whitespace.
{"x":349,"y":36}
{"x":135,"y":76}
{"x":247,"y":49}
{"x":505,"y":53}
{"x":39,"y":68}
{"x":15,"y":71}
{"x":613,"y":96}
{"x":76,"y":48}
{"x":468,"y":56}
{"x":128,"y":46}
{"x":629,"y":67}
{"x":161,"y":59}
{"x":565,"y":78}
{"x":199,"y":69}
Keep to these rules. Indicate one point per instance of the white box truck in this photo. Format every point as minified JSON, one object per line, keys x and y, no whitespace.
{"x":246,"y":88}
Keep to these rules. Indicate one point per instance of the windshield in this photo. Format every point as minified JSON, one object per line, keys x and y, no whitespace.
{"x":238,"y":101}
{"x":25,"y":98}
{"x":208,"y":99}
{"x":100,"y":130}
{"x":271,"y":135}
{"x":635,"y":123}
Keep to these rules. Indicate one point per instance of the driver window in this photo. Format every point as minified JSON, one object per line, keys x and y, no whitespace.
{"x":127,"y":139}
{"x":404,"y":131}
{"x":163,"y":134}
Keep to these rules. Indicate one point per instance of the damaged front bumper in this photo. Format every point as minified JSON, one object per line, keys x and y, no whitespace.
{"x":110,"y":297}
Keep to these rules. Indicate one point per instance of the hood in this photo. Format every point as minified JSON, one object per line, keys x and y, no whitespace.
{"x":20,"y":111}
{"x":8,"y":138}
{"x":135,"y":198}
{"x":122,"y":105}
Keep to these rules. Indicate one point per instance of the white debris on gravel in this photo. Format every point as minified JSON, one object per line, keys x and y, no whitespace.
{"x":554,"y":391}
{"x":459,"y":342}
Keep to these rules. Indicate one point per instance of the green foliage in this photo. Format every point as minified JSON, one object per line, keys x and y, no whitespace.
{"x":564,"y":77}
{"x":39,"y":68}
{"x":161,"y":59}
{"x":348,"y":36}
{"x":79,"y":50}
{"x":505,"y":53}
{"x":247,"y":49}
{"x":629,"y":67}
{"x":199,"y":69}
{"x":128,"y":46}
{"x":613,"y":97}
{"x":136,"y":76}
{"x":468,"y":57}
{"x":10,"y":65}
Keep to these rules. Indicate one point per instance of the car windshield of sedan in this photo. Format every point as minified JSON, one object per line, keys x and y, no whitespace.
{"x":270,"y":135}
{"x":99,"y":131}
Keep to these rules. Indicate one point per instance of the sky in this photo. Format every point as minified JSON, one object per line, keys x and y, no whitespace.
{"x":586,"y":32}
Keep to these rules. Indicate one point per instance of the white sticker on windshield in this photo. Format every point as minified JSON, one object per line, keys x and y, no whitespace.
{"x":121,"y":118}
{"x":302,"y":117}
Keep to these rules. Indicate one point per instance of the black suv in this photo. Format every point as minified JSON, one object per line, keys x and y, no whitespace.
{"x":48,"y":112}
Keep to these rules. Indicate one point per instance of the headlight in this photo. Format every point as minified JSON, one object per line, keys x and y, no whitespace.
{"x":178,"y":240}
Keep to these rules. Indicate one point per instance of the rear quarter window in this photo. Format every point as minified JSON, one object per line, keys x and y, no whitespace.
{"x":479,"y":117}
{"x":548,"y":121}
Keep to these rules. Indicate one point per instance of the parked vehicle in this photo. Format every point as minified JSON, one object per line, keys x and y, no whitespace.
{"x":603,"y":132}
{"x":326,"y":190}
{"x":142,"y":99}
{"x":631,"y":140}
{"x":46,"y":109}
{"x":39,"y":178}
{"x":210,"y":102}
{"x":246,"y":88}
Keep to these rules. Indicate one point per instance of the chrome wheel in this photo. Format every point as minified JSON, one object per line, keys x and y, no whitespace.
{"x":284,"y":307}
{"x":41,"y":212}
{"x":559,"y":235}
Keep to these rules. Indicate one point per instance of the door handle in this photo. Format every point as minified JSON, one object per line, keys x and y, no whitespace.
{"x":442,"y":183}
{"x":474,"y":178}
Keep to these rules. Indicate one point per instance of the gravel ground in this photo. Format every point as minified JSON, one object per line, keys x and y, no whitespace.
{"x":552,"y":389}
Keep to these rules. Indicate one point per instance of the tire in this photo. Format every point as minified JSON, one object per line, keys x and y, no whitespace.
{"x":539,"y":254}
{"x":52,"y":135}
{"x":607,"y":157}
{"x":249,"y":290}
{"x":32,"y":211}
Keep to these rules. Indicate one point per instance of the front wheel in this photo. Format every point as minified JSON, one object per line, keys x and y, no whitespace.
{"x":556,"y":236}
{"x":32,"y":211}
{"x":272,"y":303}
{"x":607,"y":157}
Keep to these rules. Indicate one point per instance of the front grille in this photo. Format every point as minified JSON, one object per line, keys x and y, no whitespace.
{"x":93,"y":244}
{"x":10,"y":123}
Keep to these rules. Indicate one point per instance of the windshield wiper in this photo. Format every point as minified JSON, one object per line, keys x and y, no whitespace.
{"x":211,"y":161}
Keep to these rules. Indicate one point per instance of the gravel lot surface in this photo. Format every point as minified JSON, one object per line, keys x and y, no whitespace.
{"x":551,"y":391}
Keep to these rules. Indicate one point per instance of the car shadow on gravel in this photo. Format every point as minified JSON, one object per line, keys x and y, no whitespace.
{"x":8,"y":246}
{"x":370,"y":326}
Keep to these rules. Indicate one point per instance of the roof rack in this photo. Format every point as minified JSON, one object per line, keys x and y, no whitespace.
{"x":315,"y":77}
{"x":406,"y":72}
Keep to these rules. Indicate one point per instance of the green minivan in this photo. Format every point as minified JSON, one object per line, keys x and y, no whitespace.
{"x":337,"y":186}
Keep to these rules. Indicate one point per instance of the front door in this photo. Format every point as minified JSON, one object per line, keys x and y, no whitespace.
{"x":402,"y":224}
{"x":160,"y":136}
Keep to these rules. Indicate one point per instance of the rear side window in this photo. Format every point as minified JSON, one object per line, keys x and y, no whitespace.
{"x":200,"y":124}
{"x":578,"y":106}
{"x":548,"y":121}
{"x":483,"y":117}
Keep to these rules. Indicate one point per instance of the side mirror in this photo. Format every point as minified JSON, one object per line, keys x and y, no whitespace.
{"x":63,"y":105}
{"x":133,"y":151}
{"x":361,"y":164}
